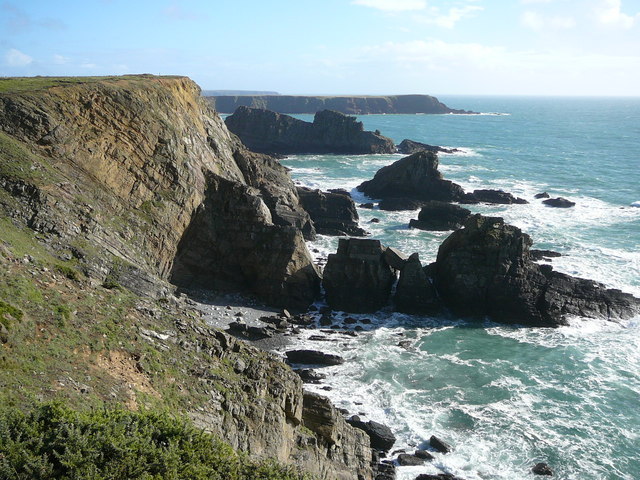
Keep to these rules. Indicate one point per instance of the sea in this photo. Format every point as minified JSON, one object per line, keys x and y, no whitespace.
{"x":505,"y":397}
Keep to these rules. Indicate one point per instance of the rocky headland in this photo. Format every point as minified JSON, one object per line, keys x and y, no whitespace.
{"x":330,"y":132}
{"x":352,"y":105}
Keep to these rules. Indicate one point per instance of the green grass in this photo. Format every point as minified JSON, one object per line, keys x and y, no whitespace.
{"x":52,"y":441}
{"x":28,"y":84}
{"x":18,"y":162}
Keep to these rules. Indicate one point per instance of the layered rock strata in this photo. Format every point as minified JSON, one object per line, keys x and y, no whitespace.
{"x":331,"y":132}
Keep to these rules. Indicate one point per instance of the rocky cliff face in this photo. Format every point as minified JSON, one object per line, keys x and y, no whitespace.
{"x":331,"y":132}
{"x":121,"y":169}
{"x":352,"y":105}
{"x":134,"y":180}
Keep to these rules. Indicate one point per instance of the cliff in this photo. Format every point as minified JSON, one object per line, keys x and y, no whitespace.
{"x":353,"y":105}
{"x":130,"y":182}
{"x":331,"y":132}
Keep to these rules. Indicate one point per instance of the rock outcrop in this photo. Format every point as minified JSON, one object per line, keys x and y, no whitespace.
{"x":414,"y":292}
{"x":358,"y":278}
{"x":440,"y":216}
{"x":409,"y":147}
{"x":415,"y":177}
{"x":351,"y":105}
{"x":332,"y":213}
{"x":486,"y":268}
{"x":559,"y":202}
{"x":492,"y":196}
{"x":123,"y":171}
{"x":330,"y":132}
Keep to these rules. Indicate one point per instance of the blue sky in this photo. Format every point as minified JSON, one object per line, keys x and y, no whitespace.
{"x":527,"y":47}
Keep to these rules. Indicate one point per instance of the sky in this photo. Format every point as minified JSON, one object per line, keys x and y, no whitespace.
{"x":374,"y":47}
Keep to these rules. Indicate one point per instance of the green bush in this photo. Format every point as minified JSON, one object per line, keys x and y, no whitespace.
{"x":54,"y":442}
{"x":7,"y":311}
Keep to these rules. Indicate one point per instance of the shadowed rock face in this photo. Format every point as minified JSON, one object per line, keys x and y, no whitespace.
{"x":408,"y":147}
{"x":485,"y":268}
{"x":415,"y":177}
{"x":333,"y":213}
{"x":440,"y":216}
{"x":330,"y":132}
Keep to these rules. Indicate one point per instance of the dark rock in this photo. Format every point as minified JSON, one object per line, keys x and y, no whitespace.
{"x":332,"y":213}
{"x":440,"y":216}
{"x":384,"y":471}
{"x":439,"y":476}
{"x":326,"y":320}
{"x":313,"y":357}
{"x":331,"y":132}
{"x":542,"y":469}
{"x":415,"y":293}
{"x":409,"y":146}
{"x":357,"y":105}
{"x":491,"y":196}
{"x":406,"y":459}
{"x":397,"y":204}
{"x":439,"y":445}
{"x":382,"y":437}
{"x":424,"y":455}
{"x":559,"y":202}
{"x":374,"y":220}
{"x":368,"y":205}
{"x":357,"y":278}
{"x":543,"y":254}
{"x":541,"y":195}
{"x":395,"y":258}
{"x":415,"y":177}
{"x":485,"y":268}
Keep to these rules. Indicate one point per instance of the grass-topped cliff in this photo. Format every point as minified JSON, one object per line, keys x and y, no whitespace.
{"x":109,"y":188}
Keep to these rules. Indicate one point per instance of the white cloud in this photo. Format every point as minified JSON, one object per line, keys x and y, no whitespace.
{"x":15,"y":58}
{"x":60,"y":59}
{"x":609,"y":13}
{"x":526,"y":2}
{"x":538,"y":22}
{"x":449,"y":19}
{"x":392,"y":5}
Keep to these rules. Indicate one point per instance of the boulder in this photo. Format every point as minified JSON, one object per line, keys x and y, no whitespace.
{"x":332,"y":213}
{"x":440,"y":216}
{"x":542,"y":469}
{"x":415,"y":177}
{"x":424,"y":455}
{"x":357,"y":278}
{"x":415,"y":293}
{"x":439,"y":476}
{"x":439,"y":445}
{"x":492,"y":196}
{"x":331,"y":132}
{"x":313,"y":357}
{"x":382,"y":437}
{"x":485,"y":269}
{"x":541,"y":195}
{"x":385,"y":471}
{"x":395,"y":258}
{"x":559,"y":202}
{"x":543,"y":254}
{"x":409,"y":146}
{"x":406,"y":460}
{"x":308,"y":375}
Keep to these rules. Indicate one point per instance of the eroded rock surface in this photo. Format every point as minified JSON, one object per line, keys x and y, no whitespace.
{"x":440,"y":216}
{"x":332,"y":213}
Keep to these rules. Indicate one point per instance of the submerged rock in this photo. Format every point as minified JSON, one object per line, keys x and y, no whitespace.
{"x":331,"y":132}
{"x":542,"y":469}
{"x":486,"y":268}
{"x":332,"y":213}
{"x":409,"y":146}
{"x":440,"y":216}
{"x":492,"y":196}
{"x":357,"y":278}
{"x":439,"y":445}
{"x":559,"y":202}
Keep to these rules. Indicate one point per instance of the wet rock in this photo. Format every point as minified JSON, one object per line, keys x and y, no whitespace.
{"x":367,"y":205}
{"x":385,"y":471}
{"x":374,"y":220}
{"x":439,"y":216}
{"x":332,"y":213}
{"x":543,"y":254}
{"x":559,"y":202}
{"x":542,"y":469}
{"x":485,"y":268}
{"x":409,"y":146}
{"x":492,"y":196}
{"x":395,"y":258}
{"x":357,"y":278}
{"x":424,"y":455}
{"x":382,"y":437}
{"x":415,"y":177}
{"x":541,"y":195}
{"x":397,"y":204}
{"x":313,"y":357}
{"x":331,"y":132}
{"x":414,"y":292}
{"x":406,"y":459}
{"x":439,"y":476}
{"x":439,"y":445}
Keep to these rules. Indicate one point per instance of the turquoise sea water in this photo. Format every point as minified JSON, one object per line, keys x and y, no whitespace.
{"x":507,"y":397}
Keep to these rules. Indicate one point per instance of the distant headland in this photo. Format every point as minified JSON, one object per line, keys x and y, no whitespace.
{"x":352,"y":105}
